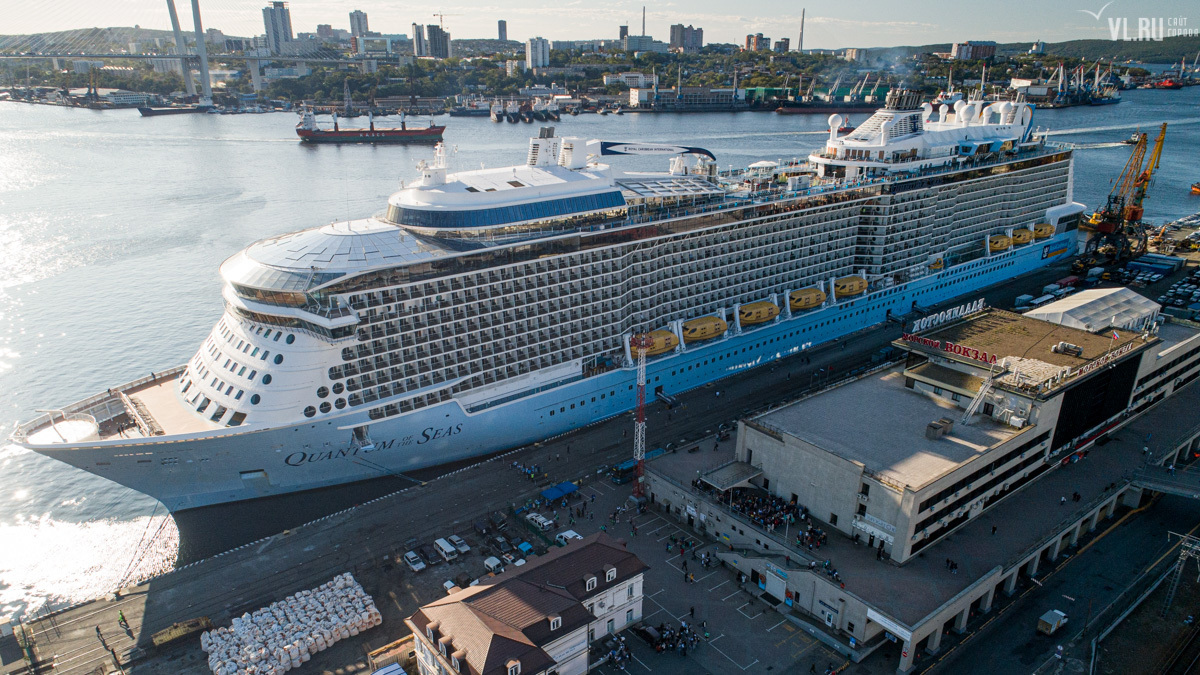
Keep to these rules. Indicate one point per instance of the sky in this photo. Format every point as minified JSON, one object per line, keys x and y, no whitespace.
{"x":864,"y":23}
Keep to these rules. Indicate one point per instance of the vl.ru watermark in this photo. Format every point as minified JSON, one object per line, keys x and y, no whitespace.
{"x":1150,"y":28}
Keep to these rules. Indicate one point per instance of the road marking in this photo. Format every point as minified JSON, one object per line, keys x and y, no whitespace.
{"x":731,"y":595}
{"x":635,"y":658}
{"x":781,"y":622}
{"x":706,"y":576}
{"x":719,"y":585}
{"x":745,"y":667}
{"x":745,"y":605}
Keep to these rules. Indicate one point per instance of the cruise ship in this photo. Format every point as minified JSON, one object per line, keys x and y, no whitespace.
{"x":487,"y":309}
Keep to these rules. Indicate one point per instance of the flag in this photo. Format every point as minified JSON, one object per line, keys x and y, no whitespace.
{"x":1116,"y":335}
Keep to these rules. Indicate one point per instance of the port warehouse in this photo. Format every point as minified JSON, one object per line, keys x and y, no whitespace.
{"x":907,"y":471}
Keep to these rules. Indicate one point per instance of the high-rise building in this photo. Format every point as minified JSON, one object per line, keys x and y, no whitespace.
{"x":438,"y":41}
{"x":758,"y":43}
{"x":277,"y":20}
{"x":783,"y":45}
{"x":420,"y":47}
{"x":686,"y":39}
{"x":502,"y":30}
{"x":324,"y":31}
{"x":537,"y":52}
{"x":358,"y":23}
{"x":972,"y":49}
{"x":623,"y":33}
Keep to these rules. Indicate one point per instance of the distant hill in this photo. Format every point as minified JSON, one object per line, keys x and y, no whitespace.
{"x":1169,"y":50}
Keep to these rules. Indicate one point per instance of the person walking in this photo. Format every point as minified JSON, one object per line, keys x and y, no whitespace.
{"x":1062,"y":501}
{"x":692,"y":612}
{"x":993,"y":530}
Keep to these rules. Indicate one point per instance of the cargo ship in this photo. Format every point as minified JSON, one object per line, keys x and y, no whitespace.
{"x":310,"y":132}
{"x":488,"y":309}
{"x":154,"y":111}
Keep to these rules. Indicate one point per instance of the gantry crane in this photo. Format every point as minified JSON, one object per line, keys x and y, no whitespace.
{"x":1120,"y":232}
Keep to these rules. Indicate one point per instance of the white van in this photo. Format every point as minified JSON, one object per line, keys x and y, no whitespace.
{"x":445,"y":549}
{"x":541,"y":522}
{"x":493,"y":564}
{"x":566,"y":537}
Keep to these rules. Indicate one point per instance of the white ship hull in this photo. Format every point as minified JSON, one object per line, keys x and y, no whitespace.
{"x":241,"y":464}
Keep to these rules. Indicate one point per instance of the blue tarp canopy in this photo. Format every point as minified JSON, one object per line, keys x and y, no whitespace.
{"x":559,"y":491}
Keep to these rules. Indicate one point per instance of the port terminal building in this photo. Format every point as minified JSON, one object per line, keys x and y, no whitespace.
{"x":990,"y":442}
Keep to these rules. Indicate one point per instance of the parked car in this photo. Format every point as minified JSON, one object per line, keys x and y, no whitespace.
{"x":414,"y":561}
{"x":539,"y":521}
{"x":450,"y":587}
{"x":493,"y":565}
{"x":482,"y":529}
{"x":567,"y":536}
{"x":429,"y":555}
{"x":459,"y":543}
{"x":499,"y":544}
{"x":498,"y":520}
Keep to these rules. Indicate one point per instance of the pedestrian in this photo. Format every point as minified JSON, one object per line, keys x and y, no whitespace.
{"x":692,"y":578}
{"x":813,"y":669}
{"x":593,"y":499}
{"x":121,"y":618}
{"x":1062,"y":501}
{"x":947,"y":563}
{"x":692,"y":612}
{"x":993,"y":529}
{"x":684,"y":562}
{"x":1171,"y":469}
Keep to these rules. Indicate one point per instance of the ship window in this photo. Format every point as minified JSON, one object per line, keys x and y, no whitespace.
{"x":290,"y":339}
{"x":238,"y":397}
{"x":338,"y":387}
{"x":203,"y":404}
{"x":310,"y":411}
{"x":220,"y":412}
{"x":254,"y":399}
{"x":322,"y":392}
{"x":226,"y":363}
{"x":278,"y":359}
{"x":325,"y":407}
{"x":563,"y":409}
{"x":265,"y":354}
{"x":277,"y":336}
{"x":237,"y":418}
{"x":340,"y":403}
{"x":572,"y":406}
{"x":242,"y":371}
{"x":267,"y":334}
{"x":255,"y":352}
{"x":252,"y":374}
{"x":240,"y":343}
{"x":552,"y":413}
{"x":266,"y":378}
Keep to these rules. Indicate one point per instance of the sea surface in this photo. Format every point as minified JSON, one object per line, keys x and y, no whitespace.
{"x":112,"y":227}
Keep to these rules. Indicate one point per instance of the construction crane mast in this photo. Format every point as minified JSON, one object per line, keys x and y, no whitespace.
{"x":1118,"y":225}
{"x":640,"y":344}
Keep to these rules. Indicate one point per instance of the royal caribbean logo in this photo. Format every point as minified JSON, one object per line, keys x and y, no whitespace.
{"x":1147,"y":27}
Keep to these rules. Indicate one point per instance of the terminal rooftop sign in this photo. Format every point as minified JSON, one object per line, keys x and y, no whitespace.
{"x":951,"y":347}
{"x":925,"y":323}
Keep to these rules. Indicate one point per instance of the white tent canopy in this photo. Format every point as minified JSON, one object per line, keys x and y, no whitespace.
{"x":1097,"y":309}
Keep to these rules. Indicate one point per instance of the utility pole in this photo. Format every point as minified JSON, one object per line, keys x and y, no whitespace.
{"x":1189,"y":549}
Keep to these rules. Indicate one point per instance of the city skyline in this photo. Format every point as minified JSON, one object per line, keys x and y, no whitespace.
{"x":825,"y":28}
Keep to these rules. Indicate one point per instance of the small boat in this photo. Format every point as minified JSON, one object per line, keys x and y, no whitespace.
{"x":603,"y":111}
{"x":849,"y":286}
{"x":1022,"y":235}
{"x":806,"y":298}
{"x":1133,"y":140}
{"x":512,"y":112}
{"x":497,"y":112}
{"x":552,"y":111}
{"x":664,"y":341}
{"x":526,"y":113}
{"x":757,"y":312}
{"x":999,"y":242}
{"x":704,"y":328}
{"x":1043,"y":231}
{"x":937,"y":265}
{"x":1196,"y":188}
{"x":1168,"y":83}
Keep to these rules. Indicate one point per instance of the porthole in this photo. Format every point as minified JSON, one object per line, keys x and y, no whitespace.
{"x":255,"y":399}
{"x":266,"y":379}
{"x":325,"y":407}
{"x":278,"y":359}
{"x":338,"y":387}
{"x":290,"y":339}
{"x":340,"y":403}
{"x":310,"y":411}
{"x":322,"y":392}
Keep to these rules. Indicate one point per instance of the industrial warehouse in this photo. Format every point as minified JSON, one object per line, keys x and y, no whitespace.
{"x":900,"y":525}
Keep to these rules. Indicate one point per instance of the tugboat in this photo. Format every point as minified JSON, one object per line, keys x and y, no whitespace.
{"x":1133,"y":140}
{"x":309,"y":132}
{"x":497,"y":112}
{"x":512,"y":112}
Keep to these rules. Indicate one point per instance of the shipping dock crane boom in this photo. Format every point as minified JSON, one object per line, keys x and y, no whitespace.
{"x":1118,"y":225}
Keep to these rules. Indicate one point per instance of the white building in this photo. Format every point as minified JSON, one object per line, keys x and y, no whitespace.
{"x":277,"y":22}
{"x":420,"y":46}
{"x":538,"y":618}
{"x":537,"y":52}
{"x":514,"y":67}
{"x":631,"y":79}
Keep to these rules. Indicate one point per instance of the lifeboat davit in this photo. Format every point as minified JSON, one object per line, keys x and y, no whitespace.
{"x":704,"y":328}
{"x":664,"y":341}
{"x":806,"y":298}
{"x":1022,"y":236}
{"x":849,"y":286}
{"x":757,"y":312}
{"x":1043,"y":231}
{"x":999,"y":242}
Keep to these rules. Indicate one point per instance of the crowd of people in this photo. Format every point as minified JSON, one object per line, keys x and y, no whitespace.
{"x":765,"y":510}
{"x":618,"y":653}
{"x":681,"y":640}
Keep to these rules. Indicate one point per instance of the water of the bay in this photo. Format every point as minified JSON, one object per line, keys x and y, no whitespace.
{"x":112,"y":227}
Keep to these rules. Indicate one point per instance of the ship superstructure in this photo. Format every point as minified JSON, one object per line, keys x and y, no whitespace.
{"x":491,"y":308}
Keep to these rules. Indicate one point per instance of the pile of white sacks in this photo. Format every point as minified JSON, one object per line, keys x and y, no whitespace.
{"x":277,"y":638}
